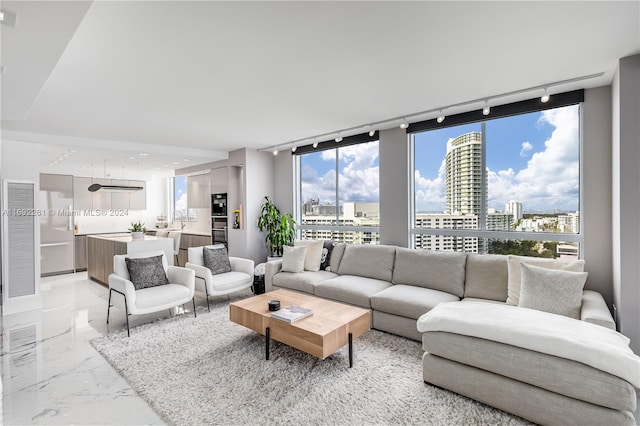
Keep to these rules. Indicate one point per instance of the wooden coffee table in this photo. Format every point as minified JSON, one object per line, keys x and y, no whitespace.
{"x":331,"y":326}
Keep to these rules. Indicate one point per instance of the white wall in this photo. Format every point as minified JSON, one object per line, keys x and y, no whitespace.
{"x":394,"y":187}
{"x":19,"y":161}
{"x":626,"y":197}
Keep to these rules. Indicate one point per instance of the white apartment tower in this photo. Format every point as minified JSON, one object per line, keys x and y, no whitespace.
{"x":514,"y":208}
{"x":464,"y":174}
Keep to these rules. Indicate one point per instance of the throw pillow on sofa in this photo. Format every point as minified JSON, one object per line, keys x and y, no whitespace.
{"x":216,"y":259}
{"x":325,"y":260}
{"x":293,"y":258}
{"x":145,"y":272}
{"x":554,"y":291}
{"x":313,"y":257}
{"x":515,"y":274}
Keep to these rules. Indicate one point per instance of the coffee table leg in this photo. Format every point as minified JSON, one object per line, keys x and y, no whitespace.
{"x":266,"y":346}
{"x":350,"y":350}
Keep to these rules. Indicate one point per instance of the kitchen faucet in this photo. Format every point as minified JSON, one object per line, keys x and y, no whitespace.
{"x":182,"y":224}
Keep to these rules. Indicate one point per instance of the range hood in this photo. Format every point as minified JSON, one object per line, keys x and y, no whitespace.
{"x":114,"y":188}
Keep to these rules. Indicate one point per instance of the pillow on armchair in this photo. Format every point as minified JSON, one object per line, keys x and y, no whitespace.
{"x":145,"y":272}
{"x":216,"y":259}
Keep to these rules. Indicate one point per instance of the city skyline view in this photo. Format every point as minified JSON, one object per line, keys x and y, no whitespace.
{"x":532,"y":158}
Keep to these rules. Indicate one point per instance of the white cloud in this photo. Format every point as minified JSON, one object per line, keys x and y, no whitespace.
{"x":551,"y":178}
{"x":430,"y":193}
{"x":526,"y":147}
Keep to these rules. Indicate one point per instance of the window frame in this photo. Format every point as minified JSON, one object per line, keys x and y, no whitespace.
{"x":571,"y":98}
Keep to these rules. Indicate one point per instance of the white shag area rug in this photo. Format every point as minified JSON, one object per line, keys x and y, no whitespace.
{"x":208,"y":371}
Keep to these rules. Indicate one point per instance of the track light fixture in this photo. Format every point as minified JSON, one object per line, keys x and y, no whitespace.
{"x":545,"y":97}
{"x":293,"y":148}
{"x":372,"y":127}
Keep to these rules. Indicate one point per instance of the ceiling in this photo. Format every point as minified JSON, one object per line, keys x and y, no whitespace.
{"x":104,"y":81}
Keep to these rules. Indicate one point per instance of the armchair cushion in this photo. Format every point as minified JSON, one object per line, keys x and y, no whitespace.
{"x":216,"y":259}
{"x":146,"y":272}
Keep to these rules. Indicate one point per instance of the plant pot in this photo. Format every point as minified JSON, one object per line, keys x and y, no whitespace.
{"x":137,"y":235}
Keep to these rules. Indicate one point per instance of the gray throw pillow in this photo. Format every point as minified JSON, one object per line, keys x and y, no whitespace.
{"x":216,"y":259}
{"x":554,"y":291}
{"x":145,"y":272}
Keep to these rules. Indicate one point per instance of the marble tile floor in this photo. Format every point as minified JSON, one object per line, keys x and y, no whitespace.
{"x":51,"y":375}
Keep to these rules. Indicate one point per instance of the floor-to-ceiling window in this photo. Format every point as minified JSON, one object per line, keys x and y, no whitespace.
{"x":508,"y":185}
{"x":338,"y":193}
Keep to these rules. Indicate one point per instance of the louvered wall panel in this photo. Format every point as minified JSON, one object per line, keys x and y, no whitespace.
{"x":21,"y":278}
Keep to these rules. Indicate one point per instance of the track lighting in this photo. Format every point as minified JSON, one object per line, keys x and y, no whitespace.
{"x":275,"y":152}
{"x":545,"y":97}
{"x":404,"y":124}
{"x":315,"y":143}
{"x":338,"y":138}
{"x":440,"y":118}
{"x":487,"y":109}
{"x":293,"y":148}
{"x":371,"y":130}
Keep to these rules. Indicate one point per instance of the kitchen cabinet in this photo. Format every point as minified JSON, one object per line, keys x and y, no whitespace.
{"x":82,"y":198}
{"x":191,"y":240}
{"x":80,"y":253}
{"x":101,"y":200}
{"x":218,"y":180}
{"x":138,"y":199}
{"x":198,"y":191}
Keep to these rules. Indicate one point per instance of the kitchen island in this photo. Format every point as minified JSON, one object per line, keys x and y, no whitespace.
{"x":102,"y":247}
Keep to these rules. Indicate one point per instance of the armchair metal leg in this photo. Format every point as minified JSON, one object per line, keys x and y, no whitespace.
{"x":195,"y":314}
{"x":109,"y":305}
{"x":126,"y":309}
{"x":206,"y":290}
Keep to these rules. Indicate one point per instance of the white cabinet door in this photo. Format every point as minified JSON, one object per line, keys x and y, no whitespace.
{"x":138,"y":199}
{"x":82,"y":197}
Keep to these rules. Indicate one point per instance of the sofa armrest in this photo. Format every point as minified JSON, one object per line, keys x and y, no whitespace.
{"x":239,"y":264}
{"x":270,"y":269}
{"x":182,"y":276}
{"x":594,"y":310}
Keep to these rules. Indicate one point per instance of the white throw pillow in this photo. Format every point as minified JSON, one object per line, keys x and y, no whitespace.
{"x":313,"y":257}
{"x":515,"y":275}
{"x":293,"y":258}
{"x":553,"y":291}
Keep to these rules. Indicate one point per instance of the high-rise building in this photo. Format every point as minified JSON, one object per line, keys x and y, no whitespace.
{"x":514,"y":208}
{"x":464,"y":174}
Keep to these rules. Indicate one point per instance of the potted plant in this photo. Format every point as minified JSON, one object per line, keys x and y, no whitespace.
{"x":279,"y":229}
{"x":137,"y":230}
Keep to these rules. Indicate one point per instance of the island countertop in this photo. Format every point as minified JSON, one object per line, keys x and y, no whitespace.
{"x":102,"y":247}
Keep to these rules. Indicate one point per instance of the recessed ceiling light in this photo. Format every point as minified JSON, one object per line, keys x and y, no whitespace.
{"x":165,"y":165}
{"x":186,"y":159}
{"x":132,"y":158}
{"x":65,"y":155}
{"x":143,"y":153}
{"x":72,"y":150}
{"x":176,"y":162}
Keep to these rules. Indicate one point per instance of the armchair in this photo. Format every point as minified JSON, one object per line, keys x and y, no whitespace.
{"x":178,"y":291}
{"x":240,"y":277}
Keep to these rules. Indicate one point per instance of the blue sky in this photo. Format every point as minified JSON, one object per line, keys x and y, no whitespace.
{"x":532,"y":158}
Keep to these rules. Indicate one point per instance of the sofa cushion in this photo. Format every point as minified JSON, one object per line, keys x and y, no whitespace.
{"x":486,"y":277}
{"x":409,"y":301}
{"x":515,"y":274}
{"x":351,"y":289}
{"x":160,"y":295}
{"x":437,"y":270}
{"x":336,"y":256}
{"x":216,"y":259}
{"x":293,"y":258}
{"x":556,"y":292}
{"x":146,"y":272}
{"x":229,"y":280}
{"x":303,"y":281}
{"x":474,"y":299}
{"x":367,"y":260}
{"x":313,"y":257}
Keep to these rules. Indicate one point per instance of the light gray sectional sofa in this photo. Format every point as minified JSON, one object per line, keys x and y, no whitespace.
{"x":401,"y":286}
